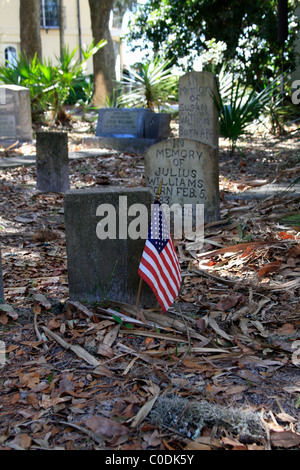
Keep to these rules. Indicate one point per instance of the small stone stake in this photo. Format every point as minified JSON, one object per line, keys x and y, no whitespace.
{"x":52,"y":162}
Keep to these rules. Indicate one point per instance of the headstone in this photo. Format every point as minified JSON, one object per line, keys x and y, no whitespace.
{"x":52,"y":162}
{"x":189,"y":173}
{"x":198,"y":112}
{"x":15,"y":114}
{"x":102,"y":269}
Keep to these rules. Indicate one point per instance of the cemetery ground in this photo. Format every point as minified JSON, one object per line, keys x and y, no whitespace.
{"x":218,"y":371}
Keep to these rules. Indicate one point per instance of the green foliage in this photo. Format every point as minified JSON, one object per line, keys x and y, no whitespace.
{"x":50,"y":85}
{"x":152,"y":85}
{"x":240,"y":105}
{"x":176,"y":29}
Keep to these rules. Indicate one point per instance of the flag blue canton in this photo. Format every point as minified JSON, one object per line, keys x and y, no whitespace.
{"x":159,"y":231}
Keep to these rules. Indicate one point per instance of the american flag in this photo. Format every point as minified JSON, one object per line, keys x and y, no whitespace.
{"x":159,"y":266}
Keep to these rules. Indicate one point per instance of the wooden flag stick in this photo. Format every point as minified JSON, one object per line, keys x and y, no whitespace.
{"x":139,"y":293}
{"x":138,"y":298}
{"x":158,"y":192}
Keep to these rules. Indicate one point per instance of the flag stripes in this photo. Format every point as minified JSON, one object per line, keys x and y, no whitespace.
{"x":159,"y":266}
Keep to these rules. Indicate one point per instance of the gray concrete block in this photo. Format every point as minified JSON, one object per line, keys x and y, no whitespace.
{"x":52,"y":162}
{"x":104,"y":269}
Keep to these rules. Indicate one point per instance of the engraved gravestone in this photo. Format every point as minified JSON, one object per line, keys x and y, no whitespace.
{"x":15,"y":114}
{"x":198,"y":113}
{"x":189,"y":173}
{"x":121,"y":122}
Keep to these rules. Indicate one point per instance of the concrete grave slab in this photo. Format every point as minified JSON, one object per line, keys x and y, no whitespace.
{"x":105,"y":269}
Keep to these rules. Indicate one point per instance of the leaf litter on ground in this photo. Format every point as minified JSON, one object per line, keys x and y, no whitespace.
{"x":218,"y":371}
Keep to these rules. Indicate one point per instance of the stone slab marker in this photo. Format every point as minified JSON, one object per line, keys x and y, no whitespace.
{"x":103,"y":269}
{"x":15,"y":114}
{"x":52,"y":162}
{"x":189,"y":172}
{"x":198,"y":113}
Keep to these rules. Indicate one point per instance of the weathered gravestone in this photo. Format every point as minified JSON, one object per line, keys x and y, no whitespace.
{"x":198,"y":113}
{"x":52,"y":162}
{"x":132,"y":130}
{"x":102,"y":254}
{"x":15,"y":114}
{"x":189,"y":173}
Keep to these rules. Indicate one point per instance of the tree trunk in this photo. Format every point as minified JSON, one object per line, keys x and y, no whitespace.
{"x":104,"y":59}
{"x":30,"y":29}
{"x":62,"y":26}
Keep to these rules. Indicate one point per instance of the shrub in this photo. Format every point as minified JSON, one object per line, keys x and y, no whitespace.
{"x":50,"y":85}
{"x":240,"y":105}
{"x":152,"y":85}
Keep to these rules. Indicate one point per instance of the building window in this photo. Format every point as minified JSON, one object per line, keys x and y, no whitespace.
{"x":49,"y":14}
{"x":10,"y":54}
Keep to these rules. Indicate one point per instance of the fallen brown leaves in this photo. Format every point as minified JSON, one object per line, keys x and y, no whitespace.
{"x":220,"y":370}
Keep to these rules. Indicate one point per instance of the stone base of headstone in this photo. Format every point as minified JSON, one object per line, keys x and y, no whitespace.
{"x":104,"y":269}
{"x":52,"y":162}
{"x":121,"y":144}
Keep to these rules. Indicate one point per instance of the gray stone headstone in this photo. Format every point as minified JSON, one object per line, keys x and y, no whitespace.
{"x":52,"y":162}
{"x":198,"y":113}
{"x":15,"y":114}
{"x":103,"y":269}
{"x":189,"y":173}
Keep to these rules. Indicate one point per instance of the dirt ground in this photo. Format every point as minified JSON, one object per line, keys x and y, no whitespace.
{"x":219,"y":371}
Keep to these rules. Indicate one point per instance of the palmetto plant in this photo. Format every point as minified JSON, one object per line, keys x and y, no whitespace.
{"x":151,"y":86}
{"x":240,"y":105}
{"x":49,"y":84}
